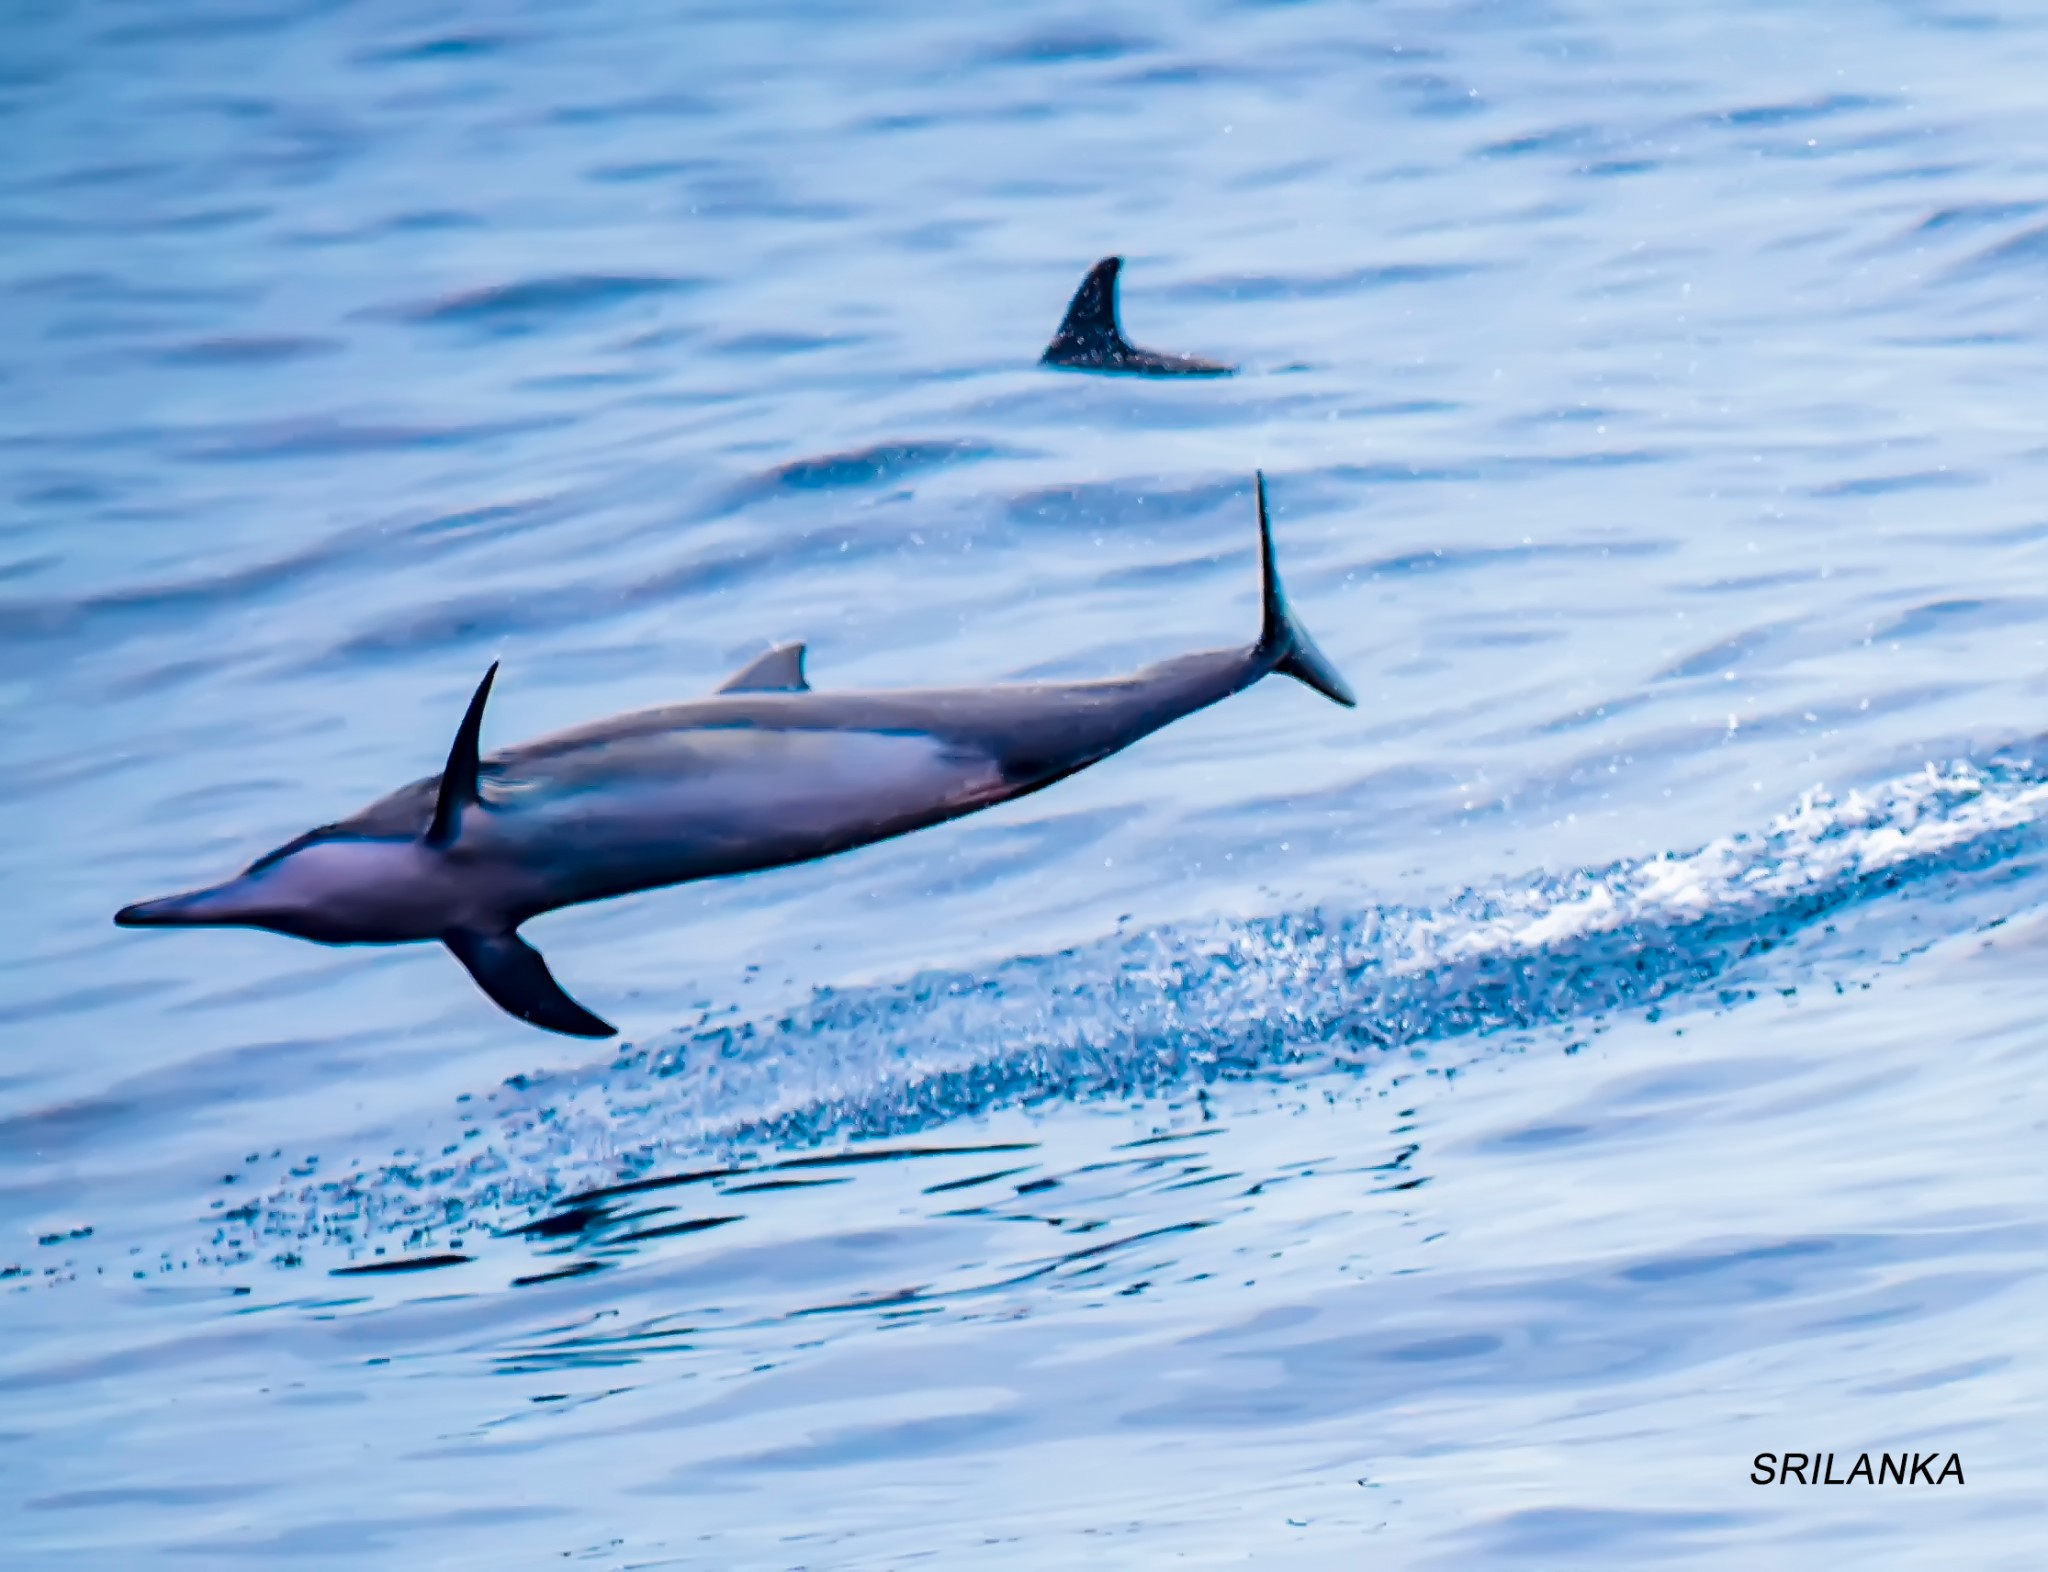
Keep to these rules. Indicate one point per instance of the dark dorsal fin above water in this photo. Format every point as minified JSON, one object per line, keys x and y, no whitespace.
{"x":781,"y":670}
{"x":512,"y":972}
{"x":1090,"y":325}
{"x":459,"y":778}
{"x":1090,"y":338}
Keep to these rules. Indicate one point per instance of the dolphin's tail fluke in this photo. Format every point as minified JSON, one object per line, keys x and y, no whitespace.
{"x":1284,"y":641}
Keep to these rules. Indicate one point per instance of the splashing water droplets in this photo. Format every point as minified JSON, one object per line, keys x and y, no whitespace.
{"x":1149,"y":1013}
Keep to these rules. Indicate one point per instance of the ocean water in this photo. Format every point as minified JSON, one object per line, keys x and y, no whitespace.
{"x":1462,"y":1131}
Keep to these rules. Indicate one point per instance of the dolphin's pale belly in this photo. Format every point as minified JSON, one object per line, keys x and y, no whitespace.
{"x":644,"y":811}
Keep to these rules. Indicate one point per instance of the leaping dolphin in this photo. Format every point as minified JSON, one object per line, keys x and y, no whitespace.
{"x":1089,"y":338}
{"x":763,"y":773}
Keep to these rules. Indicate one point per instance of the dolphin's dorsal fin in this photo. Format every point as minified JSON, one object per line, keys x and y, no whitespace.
{"x":512,"y":972}
{"x":1091,"y":339}
{"x":458,"y":780}
{"x":781,"y":670}
{"x":1089,"y":331}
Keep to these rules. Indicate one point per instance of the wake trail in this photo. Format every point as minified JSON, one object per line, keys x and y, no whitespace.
{"x":1186,"y":1004}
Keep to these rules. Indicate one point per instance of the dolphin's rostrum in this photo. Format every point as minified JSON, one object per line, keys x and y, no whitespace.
{"x":1090,"y":338}
{"x":763,"y":773}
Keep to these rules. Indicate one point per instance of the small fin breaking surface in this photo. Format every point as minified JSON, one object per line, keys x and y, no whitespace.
{"x":1091,"y":339}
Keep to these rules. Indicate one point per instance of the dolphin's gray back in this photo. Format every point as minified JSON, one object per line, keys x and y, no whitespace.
{"x":739,"y":782}
{"x":1026,"y":727}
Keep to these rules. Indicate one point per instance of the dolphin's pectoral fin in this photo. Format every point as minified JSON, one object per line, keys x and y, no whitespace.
{"x":512,"y":972}
{"x":781,"y":670}
{"x":459,"y":778}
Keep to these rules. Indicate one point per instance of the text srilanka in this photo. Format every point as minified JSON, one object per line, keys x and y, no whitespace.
{"x":1818,"y":1468}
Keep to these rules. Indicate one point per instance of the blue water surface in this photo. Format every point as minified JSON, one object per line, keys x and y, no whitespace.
{"x":1462,"y":1131}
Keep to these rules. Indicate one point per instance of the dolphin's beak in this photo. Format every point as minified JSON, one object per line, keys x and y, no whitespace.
{"x":218,"y":906}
